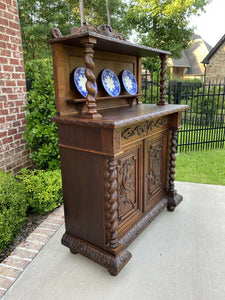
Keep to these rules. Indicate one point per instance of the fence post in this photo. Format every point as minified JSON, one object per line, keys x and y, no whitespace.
{"x":146,"y":82}
{"x":28,"y":84}
{"x":177,"y":98}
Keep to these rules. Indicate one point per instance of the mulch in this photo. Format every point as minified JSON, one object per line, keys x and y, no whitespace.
{"x":32,"y":222}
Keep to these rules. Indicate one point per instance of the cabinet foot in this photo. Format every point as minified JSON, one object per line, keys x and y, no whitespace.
{"x":170,"y":208}
{"x":73,"y":251}
{"x":113,"y":273}
{"x":113,"y":262}
{"x":174,"y":200}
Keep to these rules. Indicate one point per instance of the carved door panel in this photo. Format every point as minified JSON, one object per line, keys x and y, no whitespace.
{"x":129,"y":187}
{"x":154,"y":167}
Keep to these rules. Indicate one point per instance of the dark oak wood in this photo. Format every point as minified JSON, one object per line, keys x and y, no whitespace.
{"x":109,"y":44}
{"x":117,"y":155}
{"x":155,"y":167}
{"x":89,"y":73}
{"x":163,"y":58}
{"x":67,"y":58}
{"x":74,"y":101}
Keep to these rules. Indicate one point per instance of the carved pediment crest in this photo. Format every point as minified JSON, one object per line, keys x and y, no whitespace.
{"x":55,"y":33}
{"x":85,"y":28}
{"x":105,"y":30}
{"x":108,"y":31}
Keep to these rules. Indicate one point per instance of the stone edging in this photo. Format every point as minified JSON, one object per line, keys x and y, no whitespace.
{"x":13,"y":266}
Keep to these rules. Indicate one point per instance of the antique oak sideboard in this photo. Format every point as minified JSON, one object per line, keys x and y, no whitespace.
{"x":117,"y":154}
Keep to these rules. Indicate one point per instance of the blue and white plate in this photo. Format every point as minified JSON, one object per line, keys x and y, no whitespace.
{"x":80,"y":81}
{"x":129,"y":82}
{"x":110,"y":82}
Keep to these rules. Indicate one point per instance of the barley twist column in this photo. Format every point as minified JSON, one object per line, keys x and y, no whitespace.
{"x":162,"y":101}
{"x":89,"y":73}
{"x":173,"y":198}
{"x":112,"y":214}
{"x":172,"y":160}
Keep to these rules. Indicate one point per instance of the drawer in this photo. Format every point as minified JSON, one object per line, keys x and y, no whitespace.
{"x":141,"y":130}
{"x":133,"y":132}
{"x":157,"y":125}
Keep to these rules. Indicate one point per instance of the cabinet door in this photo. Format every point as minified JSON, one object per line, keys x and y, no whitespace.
{"x":155,"y":158}
{"x":129,"y":185}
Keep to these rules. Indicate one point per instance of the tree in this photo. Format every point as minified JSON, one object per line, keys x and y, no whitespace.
{"x":163,"y":24}
{"x":81,"y":6}
{"x":36,"y":20}
{"x":37,"y":17}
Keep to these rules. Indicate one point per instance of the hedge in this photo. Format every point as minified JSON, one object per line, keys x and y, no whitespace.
{"x":41,"y":132}
{"x":13,"y":208}
{"x":43,"y":189}
{"x":36,"y":191}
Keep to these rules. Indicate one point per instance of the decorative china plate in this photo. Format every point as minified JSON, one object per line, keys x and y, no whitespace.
{"x":80,"y":81}
{"x":110,"y":82}
{"x":129,"y":82}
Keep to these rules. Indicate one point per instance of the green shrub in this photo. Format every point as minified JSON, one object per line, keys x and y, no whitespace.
{"x":13,"y":208}
{"x":43,"y":189}
{"x":41,"y":132}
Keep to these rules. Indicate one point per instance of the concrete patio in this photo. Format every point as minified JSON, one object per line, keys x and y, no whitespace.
{"x":180,"y":256}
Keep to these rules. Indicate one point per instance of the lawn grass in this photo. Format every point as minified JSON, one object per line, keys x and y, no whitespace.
{"x":201,"y":167}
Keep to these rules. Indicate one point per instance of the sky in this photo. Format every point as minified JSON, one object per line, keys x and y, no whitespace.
{"x":211,"y":24}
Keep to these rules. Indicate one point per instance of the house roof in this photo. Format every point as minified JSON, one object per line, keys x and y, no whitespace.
{"x":213,"y":50}
{"x":181,"y":62}
{"x":193,"y":56}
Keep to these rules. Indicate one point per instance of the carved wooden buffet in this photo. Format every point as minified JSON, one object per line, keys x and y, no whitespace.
{"x":117,"y":155}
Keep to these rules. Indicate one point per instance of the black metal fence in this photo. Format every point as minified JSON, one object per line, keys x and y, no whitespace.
{"x":203,"y":125}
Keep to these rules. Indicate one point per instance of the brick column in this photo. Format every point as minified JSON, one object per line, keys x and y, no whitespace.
{"x":13,"y":155}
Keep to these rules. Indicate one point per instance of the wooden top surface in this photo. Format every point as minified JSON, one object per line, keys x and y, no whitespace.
{"x":109,"y":44}
{"x":119,"y":117}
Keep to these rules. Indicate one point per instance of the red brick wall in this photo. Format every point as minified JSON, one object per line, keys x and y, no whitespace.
{"x":13,"y":155}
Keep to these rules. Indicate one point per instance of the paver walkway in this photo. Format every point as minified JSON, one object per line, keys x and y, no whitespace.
{"x":180,"y":256}
{"x":22,"y":256}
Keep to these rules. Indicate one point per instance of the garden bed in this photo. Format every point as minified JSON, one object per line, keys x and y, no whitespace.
{"x":32,"y":222}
